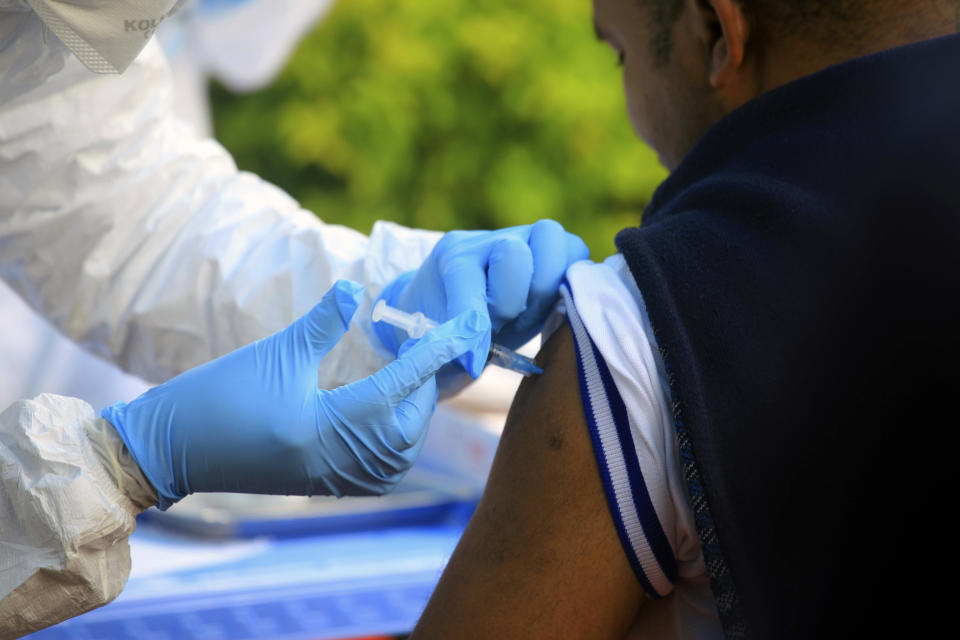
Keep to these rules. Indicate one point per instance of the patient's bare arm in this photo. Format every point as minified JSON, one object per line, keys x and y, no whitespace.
{"x":540,"y":557}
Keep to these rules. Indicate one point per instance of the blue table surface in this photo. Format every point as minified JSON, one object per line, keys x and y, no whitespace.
{"x":334,"y":585}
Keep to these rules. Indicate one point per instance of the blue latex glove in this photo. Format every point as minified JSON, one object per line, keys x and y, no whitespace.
{"x":254,"y":421}
{"x":513,"y":274}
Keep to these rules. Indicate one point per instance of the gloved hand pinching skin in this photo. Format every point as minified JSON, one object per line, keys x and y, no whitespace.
{"x":254,"y":421}
{"x":513,"y":275}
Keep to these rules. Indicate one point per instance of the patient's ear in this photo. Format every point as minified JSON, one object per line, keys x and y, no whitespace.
{"x":725,"y":31}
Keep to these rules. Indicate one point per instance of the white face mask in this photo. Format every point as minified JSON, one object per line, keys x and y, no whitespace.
{"x":105,"y":34}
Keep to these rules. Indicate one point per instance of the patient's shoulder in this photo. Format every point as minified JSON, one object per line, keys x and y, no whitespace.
{"x":540,"y":557}
{"x":582,"y":513}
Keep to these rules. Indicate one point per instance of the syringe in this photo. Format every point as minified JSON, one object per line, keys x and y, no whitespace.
{"x":417,"y":324}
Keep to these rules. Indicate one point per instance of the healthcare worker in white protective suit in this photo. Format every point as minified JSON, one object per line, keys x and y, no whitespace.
{"x":204,"y":39}
{"x":146,"y":245}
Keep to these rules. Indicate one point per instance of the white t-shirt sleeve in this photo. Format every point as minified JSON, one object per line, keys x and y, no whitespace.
{"x":625,"y":395}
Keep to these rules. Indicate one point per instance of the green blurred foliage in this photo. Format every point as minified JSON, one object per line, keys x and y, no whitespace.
{"x":451,"y":114}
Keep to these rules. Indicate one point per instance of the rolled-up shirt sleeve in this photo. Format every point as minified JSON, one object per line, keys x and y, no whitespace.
{"x":627,"y":409}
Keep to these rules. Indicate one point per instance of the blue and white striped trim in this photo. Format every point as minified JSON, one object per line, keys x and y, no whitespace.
{"x":638,"y":526}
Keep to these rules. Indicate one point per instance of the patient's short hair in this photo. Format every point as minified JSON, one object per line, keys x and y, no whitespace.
{"x":812,"y":18}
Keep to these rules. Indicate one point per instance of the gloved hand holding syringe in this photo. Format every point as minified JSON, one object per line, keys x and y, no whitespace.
{"x":417,"y":324}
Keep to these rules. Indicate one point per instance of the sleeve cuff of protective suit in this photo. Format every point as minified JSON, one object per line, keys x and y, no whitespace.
{"x":120,"y":464}
{"x":65,"y":518}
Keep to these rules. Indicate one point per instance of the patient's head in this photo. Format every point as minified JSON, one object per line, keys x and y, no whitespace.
{"x":687,"y":63}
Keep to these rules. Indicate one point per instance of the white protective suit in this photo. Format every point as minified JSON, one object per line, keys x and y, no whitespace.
{"x":143,"y":243}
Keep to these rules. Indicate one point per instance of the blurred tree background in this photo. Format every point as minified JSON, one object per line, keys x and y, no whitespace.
{"x":452,"y":114}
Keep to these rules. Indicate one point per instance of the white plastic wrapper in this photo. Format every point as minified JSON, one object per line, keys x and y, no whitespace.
{"x":220,"y":34}
{"x":211,"y":39}
{"x":69,"y":496}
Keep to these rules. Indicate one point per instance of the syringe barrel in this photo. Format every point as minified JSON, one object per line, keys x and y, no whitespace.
{"x":420,"y":325}
{"x":415,"y":324}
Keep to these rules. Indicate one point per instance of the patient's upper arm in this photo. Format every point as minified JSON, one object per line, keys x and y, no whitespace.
{"x":541,"y":556}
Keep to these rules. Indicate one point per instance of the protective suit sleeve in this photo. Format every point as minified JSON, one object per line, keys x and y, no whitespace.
{"x":69,"y":498}
{"x":143,"y":242}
